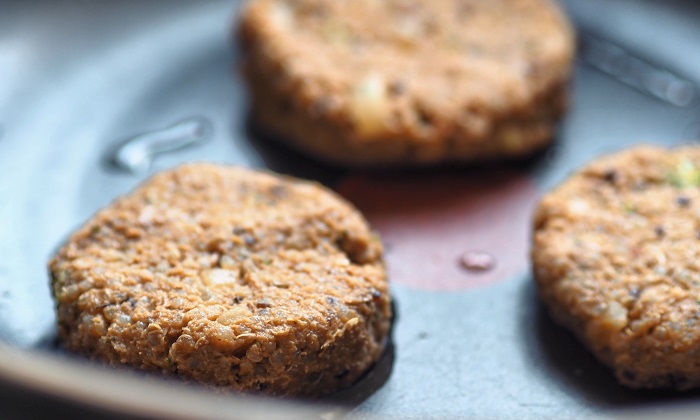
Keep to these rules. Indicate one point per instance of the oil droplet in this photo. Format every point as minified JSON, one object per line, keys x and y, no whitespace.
{"x":477,"y":261}
{"x":136,"y":154}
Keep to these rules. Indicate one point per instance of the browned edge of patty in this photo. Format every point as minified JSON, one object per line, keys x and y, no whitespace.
{"x":609,"y":259}
{"x":286,"y":295}
{"x":283,"y":108}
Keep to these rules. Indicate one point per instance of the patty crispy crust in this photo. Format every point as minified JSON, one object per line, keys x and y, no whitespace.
{"x":228,"y":277}
{"x":616,"y":251}
{"x":407,"y":82}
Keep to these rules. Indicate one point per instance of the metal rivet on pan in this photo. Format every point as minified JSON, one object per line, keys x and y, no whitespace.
{"x":646,"y":77}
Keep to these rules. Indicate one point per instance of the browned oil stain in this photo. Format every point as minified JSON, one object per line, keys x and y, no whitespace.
{"x":430,"y":223}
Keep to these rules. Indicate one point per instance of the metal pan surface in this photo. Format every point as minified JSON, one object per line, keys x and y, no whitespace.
{"x":79,"y":78}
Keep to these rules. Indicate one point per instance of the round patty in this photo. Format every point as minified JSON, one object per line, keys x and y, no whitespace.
{"x":228,"y":277}
{"x":616,"y":251}
{"x":410,"y":82}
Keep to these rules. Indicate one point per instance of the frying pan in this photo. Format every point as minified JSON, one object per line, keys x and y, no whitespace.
{"x":79,"y":79}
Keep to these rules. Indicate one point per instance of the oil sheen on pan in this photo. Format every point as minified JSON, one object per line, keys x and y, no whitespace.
{"x":448,"y":231}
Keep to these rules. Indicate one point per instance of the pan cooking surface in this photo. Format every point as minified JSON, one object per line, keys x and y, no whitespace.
{"x":79,"y":80}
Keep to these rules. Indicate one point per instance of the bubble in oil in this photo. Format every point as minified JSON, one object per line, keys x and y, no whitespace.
{"x":136,"y":154}
{"x":477,"y":261}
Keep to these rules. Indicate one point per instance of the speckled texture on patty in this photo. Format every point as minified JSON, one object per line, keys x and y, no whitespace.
{"x":616,"y":257}
{"x":411,"y":82}
{"x":228,"y":277}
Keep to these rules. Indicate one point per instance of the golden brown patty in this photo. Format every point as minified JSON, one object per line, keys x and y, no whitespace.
{"x":616,"y":251}
{"x":227,"y":277}
{"x":371,"y":82}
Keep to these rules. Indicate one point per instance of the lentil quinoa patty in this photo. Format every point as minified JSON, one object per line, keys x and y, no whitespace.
{"x":409,"y":82}
{"x":228,"y":277}
{"x":615,"y":256}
